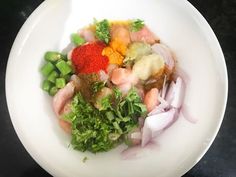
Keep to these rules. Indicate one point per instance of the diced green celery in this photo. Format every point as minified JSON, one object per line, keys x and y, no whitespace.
{"x":53,"y":91}
{"x":60,"y":82}
{"x":63,"y":67}
{"x":52,"y":56}
{"x":66,"y":77}
{"x":47,"y":69}
{"x":52,"y":76}
{"x":77,"y":40}
{"x":46,"y":85}
{"x":69,"y":62}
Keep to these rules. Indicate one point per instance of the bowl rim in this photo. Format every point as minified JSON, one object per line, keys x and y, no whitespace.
{"x":21,"y":37}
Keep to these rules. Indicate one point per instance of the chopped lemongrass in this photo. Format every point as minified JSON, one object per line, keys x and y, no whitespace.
{"x":60,"y":82}
{"x":54,"y":56}
{"x":63,"y":67}
{"x":46,"y":85}
{"x":47,"y":69}
{"x":52,"y":76}
{"x":53,"y":91}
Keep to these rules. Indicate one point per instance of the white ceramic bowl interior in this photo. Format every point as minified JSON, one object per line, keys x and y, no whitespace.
{"x":179,"y":25}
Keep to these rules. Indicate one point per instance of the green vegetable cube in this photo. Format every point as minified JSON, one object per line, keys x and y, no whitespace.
{"x":60,"y":82}
{"x":77,"y":40}
{"x":52,"y":76}
{"x":67,"y":77}
{"x":53,"y":91}
{"x":46,"y":85}
{"x":63,"y":67}
{"x":54,"y":56}
{"x":47,"y":69}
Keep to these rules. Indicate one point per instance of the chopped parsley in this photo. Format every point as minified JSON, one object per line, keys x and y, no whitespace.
{"x":85,"y":159}
{"x":101,"y":130}
{"x":137,"y":25}
{"x":103,"y":30}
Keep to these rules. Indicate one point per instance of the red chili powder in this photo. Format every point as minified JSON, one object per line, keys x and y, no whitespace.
{"x":88,"y":58}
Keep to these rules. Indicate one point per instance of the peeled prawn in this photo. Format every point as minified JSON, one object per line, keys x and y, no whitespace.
{"x":151,"y":99}
{"x":62,"y":96}
{"x":66,"y":126}
{"x":144,"y":35}
{"x":120,"y":33}
{"x":122,"y":76}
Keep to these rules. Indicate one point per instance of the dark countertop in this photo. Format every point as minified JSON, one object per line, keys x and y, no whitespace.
{"x":220,"y":159}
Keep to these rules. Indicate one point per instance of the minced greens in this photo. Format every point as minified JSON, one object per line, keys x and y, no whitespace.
{"x":101,"y":130}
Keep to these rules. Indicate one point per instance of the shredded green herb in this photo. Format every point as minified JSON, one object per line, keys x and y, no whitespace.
{"x":85,"y":159}
{"x":101,"y":130}
{"x":97,"y":86}
{"x":103,"y":30}
{"x":137,"y":25}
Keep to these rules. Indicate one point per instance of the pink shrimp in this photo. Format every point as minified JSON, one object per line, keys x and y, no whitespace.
{"x":66,"y":126}
{"x":144,"y":35}
{"x":124,"y":88}
{"x":121,"y":33}
{"x":120,"y":76}
{"x":62,"y":96}
{"x":151,"y":99}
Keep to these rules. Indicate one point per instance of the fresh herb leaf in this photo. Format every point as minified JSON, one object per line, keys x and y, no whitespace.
{"x":97,"y":86}
{"x":101,"y":130}
{"x":103,"y":30}
{"x":137,"y":25}
{"x":90,"y":128}
{"x":85,"y":159}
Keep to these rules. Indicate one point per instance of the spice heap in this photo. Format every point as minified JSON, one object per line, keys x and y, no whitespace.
{"x":89,"y":59}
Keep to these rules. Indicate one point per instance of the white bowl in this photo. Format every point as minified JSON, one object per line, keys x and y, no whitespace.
{"x":180,"y":147}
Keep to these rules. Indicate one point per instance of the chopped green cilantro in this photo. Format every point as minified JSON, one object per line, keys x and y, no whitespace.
{"x":103,"y":30}
{"x":137,"y":25}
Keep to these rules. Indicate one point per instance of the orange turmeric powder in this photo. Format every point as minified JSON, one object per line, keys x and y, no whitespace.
{"x":114,"y":56}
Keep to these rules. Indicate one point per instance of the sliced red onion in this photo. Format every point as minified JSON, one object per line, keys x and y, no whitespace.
{"x":158,"y":109}
{"x":170,"y":93}
{"x":164,"y":88}
{"x":187,"y":115}
{"x":175,"y":93}
{"x":136,"y":152}
{"x":165,"y":52}
{"x":154,"y":124}
{"x":178,"y":93}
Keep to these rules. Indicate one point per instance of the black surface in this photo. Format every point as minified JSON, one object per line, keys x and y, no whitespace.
{"x":219,"y":161}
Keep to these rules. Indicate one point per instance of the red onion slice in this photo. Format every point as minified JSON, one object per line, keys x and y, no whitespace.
{"x":179,"y":93}
{"x":170,"y":93}
{"x":154,"y":124}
